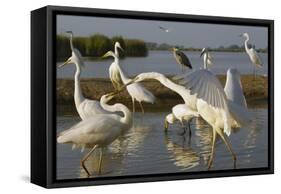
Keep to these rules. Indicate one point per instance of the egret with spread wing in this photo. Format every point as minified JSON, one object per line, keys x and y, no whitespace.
{"x":203,"y":93}
{"x":98,"y":131}
{"x":86,"y":108}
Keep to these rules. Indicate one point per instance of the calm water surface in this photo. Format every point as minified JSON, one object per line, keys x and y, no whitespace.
{"x":146,"y":149}
{"x":164,"y":62}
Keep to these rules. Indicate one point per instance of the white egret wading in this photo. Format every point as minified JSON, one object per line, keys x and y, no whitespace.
{"x":136,"y":90}
{"x":98,"y":131}
{"x":253,"y":55}
{"x":182,"y":113}
{"x":86,"y":108}
{"x":203,"y":93}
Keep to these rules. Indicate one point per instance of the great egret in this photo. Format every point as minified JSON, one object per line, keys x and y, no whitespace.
{"x":207,"y":57}
{"x":182,"y":113}
{"x":181,"y":58}
{"x":136,"y":90}
{"x":253,"y":55}
{"x":99,"y":130}
{"x":203,"y":93}
{"x":114,"y":73}
{"x":86,"y":108}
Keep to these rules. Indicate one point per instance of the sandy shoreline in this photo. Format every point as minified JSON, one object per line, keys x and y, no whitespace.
{"x":93,"y":88}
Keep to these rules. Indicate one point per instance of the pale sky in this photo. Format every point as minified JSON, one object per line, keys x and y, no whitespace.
{"x":196,"y":35}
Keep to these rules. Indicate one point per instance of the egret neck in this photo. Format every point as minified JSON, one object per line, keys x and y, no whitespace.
{"x":246,"y":44}
{"x":126,"y":119}
{"x":206,"y":56}
{"x":78,"y":97}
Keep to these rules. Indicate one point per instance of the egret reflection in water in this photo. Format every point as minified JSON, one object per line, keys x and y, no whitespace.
{"x":182,"y":156}
{"x":144,"y":149}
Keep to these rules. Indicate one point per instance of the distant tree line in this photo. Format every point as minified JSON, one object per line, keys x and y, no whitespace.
{"x":97,"y":45}
{"x":230,"y":48}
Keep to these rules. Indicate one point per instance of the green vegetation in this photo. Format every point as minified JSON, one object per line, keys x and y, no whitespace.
{"x":97,"y":45}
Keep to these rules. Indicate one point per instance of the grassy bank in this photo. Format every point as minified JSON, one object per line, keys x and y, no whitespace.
{"x":95,"y":88}
{"x":97,"y":45}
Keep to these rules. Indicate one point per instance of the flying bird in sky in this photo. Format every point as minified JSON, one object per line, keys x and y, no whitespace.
{"x":164,"y":29}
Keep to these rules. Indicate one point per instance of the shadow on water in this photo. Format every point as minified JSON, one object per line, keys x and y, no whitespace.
{"x":147,"y":149}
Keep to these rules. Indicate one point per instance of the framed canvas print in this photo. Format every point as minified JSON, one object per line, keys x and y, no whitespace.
{"x":125,"y":96}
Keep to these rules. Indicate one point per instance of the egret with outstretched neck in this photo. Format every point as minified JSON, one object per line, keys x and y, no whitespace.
{"x":136,"y":90}
{"x":86,"y":108}
{"x":203,"y":93}
{"x":100,"y":130}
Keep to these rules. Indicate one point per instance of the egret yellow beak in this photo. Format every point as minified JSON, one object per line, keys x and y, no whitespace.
{"x":66,"y":62}
{"x":105,"y":55}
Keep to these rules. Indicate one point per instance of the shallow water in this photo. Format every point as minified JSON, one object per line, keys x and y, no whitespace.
{"x":147,"y":149}
{"x":164,"y":62}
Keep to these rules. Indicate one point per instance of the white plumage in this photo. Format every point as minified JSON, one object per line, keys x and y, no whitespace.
{"x":86,"y":108}
{"x":182,"y":113}
{"x":207,"y":57}
{"x":114,"y":73}
{"x":99,"y":130}
{"x":253,"y":55}
{"x":203,"y":93}
{"x":136,"y":90}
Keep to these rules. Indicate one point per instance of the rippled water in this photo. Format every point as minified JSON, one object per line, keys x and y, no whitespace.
{"x":164,"y":62}
{"x":146,"y":149}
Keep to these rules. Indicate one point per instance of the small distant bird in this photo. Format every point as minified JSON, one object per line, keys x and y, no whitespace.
{"x":164,"y":29}
{"x":181,"y":58}
{"x":208,"y":58}
{"x":253,"y":55}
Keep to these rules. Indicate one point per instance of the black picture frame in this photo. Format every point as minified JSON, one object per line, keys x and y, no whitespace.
{"x":43,"y":95}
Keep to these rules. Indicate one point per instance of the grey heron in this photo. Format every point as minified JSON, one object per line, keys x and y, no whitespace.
{"x":181,"y":58}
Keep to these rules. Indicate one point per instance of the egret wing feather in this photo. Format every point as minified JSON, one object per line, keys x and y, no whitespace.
{"x":255,"y":58}
{"x":196,"y":82}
